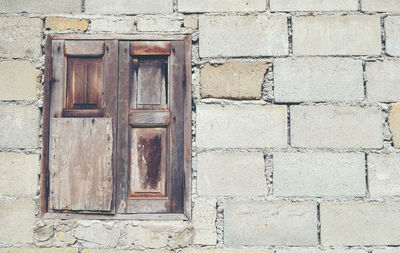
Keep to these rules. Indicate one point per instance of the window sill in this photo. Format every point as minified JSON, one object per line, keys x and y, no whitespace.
{"x":161,"y":216}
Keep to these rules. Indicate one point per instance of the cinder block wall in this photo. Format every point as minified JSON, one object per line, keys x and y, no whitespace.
{"x":296,"y":128}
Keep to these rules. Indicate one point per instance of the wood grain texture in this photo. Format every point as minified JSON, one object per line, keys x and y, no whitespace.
{"x":84,"y":48}
{"x":137,"y":37}
{"x":187,"y":103}
{"x":150,"y":118}
{"x":80,"y":164}
{"x":57,"y":89}
{"x":176,"y":130}
{"x":148,"y":162}
{"x":148,"y":206}
{"x":151,"y":83}
{"x":150,"y":48}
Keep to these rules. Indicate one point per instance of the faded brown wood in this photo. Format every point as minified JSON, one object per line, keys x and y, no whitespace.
{"x":148,"y":162}
{"x":124,"y":94}
{"x":151,"y":83}
{"x":187,"y":103}
{"x":110,"y":63}
{"x":57,"y":89}
{"x":84,"y":83}
{"x":84,"y":48}
{"x":150,"y":48}
{"x":83,"y":113}
{"x":176,"y":146}
{"x":125,"y":216}
{"x":45,"y":128}
{"x":149,"y":118}
{"x":80,"y":164}
{"x":148,"y":206}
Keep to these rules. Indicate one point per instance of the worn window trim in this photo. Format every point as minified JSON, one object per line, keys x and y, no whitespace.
{"x":44,"y":187}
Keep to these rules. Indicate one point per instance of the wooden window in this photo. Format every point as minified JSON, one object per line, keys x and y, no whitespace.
{"x":117,"y":127}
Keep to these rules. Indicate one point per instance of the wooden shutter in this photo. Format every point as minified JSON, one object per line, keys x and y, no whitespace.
{"x":151,"y":127}
{"x":82,"y":133}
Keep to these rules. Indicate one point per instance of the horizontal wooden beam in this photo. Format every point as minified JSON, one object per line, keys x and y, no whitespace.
{"x":84,"y":48}
{"x":149,"y":118}
{"x":150,"y":48}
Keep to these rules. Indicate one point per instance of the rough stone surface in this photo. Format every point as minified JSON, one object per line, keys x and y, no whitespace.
{"x":129,"y":7}
{"x":112,"y":25}
{"x":243,"y":35}
{"x":380,"y":5}
{"x":157,"y":234}
{"x":337,"y":35}
{"x":153,"y":25}
{"x":392,"y":28}
{"x":191,"y":23}
{"x":39,"y":250}
{"x":21,"y":37}
{"x":93,"y":234}
{"x":231,"y":174}
{"x":16,"y":223}
{"x":319,"y":174}
{"x":241,"y":126}
{"x":323,"y":251}
{"x":18,"y":174}
{"x":313,"y":5}
{"x":234,"y":79}
{"x":259,"y":223}
{"x":356,"y":223}
{"x":336,"y":127}
{"x":198,"y":6}
{"x":386,"y":250}
{"x":384,"y":174}
{"x":394,"y":123}
{"x":19,"y":80}
{"x":383,"y":79}
{"x":124,"y":251}
{"x":226,"y":251}
{"x":204,"y":216}
{"x":41,"y":6}
{"x":318,"y":79}
{"x":20,"y":122}
{"x":62,"y":24}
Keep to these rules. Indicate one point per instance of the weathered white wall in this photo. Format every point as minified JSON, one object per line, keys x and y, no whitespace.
{"x":296,"y":128}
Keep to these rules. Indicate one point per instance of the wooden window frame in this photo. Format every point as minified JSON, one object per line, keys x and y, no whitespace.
{"x":187,"y":104}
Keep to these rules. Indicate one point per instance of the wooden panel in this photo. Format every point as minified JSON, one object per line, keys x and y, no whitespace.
{"x":84,"y":48}
{"x":124,"y":94}
{"x":150,"y":48}
{"x":81,"y":164}
{"x":83,"y":113}
{"x":57,"y":88}
{"x":149,"y":118}
{"x":151,"y":84}
{"x":84,"y":83}
{"x":148,"y":162}
{"x":148,"y":206}
{"x":122,"y":37}
{"x":176,"y":130}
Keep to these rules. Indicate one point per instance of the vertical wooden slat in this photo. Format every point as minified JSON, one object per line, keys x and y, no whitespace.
{"x":110,"y":87}
{"x":46,"y":123}
{"x":58,"y":84}
{"x":124,"y":103}
{"x":176,"y":145}
{"x":187,"y":187}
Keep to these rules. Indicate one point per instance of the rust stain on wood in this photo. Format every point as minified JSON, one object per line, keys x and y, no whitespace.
{"x":150,"y":48}
{"x":149,"y":159}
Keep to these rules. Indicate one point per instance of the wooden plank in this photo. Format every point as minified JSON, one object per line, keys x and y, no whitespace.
{"x":155,"y":37}
{"x":84,"y":48}
{"x":110,"y":87}
{"x":187,"y":90}
{"x":151,"y":83}
{"x":149,"y":118}
{"x":45,"y":127}
{"x":94,"y":113}
{"x":133,"y":216}
{"x":84,"y":83}
{"x":58,"y":79}
{"x":80,"y":164}
{"x":124,"y":94}
{"x":150,"y":48}
{"x":148,"y":162}
{"x":176,"y":145}
{"x":147,"y":206}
